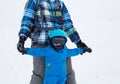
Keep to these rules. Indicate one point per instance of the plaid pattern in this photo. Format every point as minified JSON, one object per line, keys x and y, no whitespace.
{"x":48,"y":16}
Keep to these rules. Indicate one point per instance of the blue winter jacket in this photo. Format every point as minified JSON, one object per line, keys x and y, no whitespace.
{"x":55,"y":61}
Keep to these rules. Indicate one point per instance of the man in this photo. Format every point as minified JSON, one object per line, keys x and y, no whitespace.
{"x":40,"y":17}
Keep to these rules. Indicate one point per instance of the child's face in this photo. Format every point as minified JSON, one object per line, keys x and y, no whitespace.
{"x":58,"y":42}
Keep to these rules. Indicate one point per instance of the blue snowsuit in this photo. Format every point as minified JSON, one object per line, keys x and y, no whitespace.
{"x":55,"y":62}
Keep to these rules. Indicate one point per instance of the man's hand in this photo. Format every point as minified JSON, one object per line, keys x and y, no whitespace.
{"x":20,"y":45}
{"x":85,"y":48}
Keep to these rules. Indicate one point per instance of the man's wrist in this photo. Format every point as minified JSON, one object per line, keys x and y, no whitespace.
{"x":22,"y":38}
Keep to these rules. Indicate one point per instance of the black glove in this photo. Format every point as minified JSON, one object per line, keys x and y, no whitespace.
{"x":80,"y":44}
{"x":85,"y":48}
{"x":20,"y":45}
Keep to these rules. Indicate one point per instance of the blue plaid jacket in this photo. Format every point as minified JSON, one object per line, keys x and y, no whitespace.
{"x":43,"y":16}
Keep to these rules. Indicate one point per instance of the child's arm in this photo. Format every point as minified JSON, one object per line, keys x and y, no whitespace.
{"x":36,"y":51}
{"x":74,"y":52}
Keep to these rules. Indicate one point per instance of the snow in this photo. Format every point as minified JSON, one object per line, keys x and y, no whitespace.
{"x":98,"y":23}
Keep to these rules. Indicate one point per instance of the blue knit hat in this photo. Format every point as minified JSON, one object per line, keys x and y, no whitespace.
{"x":57,"y":32}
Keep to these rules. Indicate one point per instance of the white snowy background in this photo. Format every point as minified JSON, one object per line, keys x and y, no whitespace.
{"x":98,"y":23}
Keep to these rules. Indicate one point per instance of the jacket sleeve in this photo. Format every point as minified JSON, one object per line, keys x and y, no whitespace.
{"x":38,"y":52}
{"x":68,"y":26}
{"x":28,"y":18}
{"x":73,"y":52}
